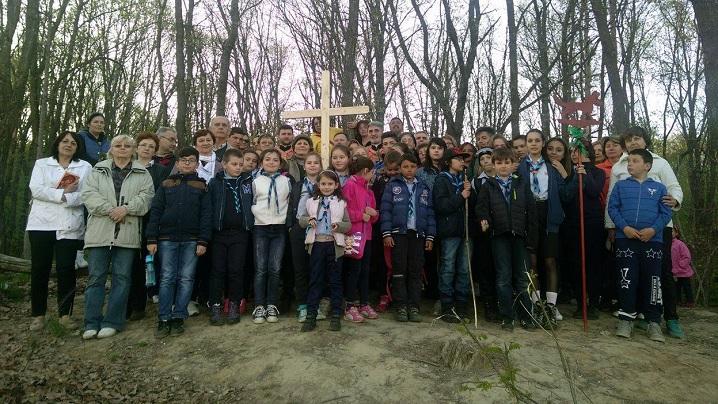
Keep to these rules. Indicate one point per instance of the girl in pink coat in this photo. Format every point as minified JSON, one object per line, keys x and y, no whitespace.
{"x":361,"y":206}
{"x":682,"y":269}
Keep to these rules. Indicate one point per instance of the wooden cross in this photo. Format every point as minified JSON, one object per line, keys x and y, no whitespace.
{"x":324,"y":112}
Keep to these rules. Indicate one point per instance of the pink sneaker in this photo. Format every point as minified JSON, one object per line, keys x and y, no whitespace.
{"x":383,"y":304}
{"x":353,"y":315}
{"x":243,"y":306}
{"x":368,"y":312}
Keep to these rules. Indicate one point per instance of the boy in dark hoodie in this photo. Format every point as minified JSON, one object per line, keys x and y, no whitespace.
{"x":506,"y":207}
{"x":181,"y":224}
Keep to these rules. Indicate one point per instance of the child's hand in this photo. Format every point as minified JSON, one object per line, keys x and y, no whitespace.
{"x":630,"y":232}
{"x":152,"y":249}
{"x":484,"y":225}
{"x":313,"y":222}
{"x":466,"y":193}
{"x":581,"y":169}
{"x":201,"y":250}
{"x":646,"y":234}
{"x":428,"y":245}
{"x":371,"y":212}
{"x":388,"y":242}
{"x":366,"y":217}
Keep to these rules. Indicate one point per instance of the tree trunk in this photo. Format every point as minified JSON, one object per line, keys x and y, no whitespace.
{"x":180,"y":79}
{"x":224,"y":60}
{"x":513,"y":70}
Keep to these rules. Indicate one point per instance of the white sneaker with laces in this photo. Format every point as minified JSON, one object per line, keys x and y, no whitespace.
{"x":320,"y":314}
{"x":192,"y":308}
{"x":302,"y":313}
{"x":259,"y":315}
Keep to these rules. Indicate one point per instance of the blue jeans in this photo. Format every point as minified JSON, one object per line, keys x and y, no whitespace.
{"x":269,"y":248}
{"x":454,"y":264}
{"x":100,"y":259}
{"x":179,"y":259}
{"x":513,"y":261}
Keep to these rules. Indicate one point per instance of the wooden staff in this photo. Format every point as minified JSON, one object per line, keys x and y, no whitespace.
{"x":468,"y":255}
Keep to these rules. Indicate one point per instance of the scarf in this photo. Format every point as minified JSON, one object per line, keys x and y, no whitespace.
{"x":272,"y":186}
{"x":235,"y":191}
{"x":534,"y":174}
{"x":505,"y":186}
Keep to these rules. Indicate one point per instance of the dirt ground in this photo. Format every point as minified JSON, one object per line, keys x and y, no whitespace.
{"x":377,"y":361}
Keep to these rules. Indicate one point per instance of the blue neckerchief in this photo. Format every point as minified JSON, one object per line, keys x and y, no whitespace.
{"x":325,"y":213}
{"x":272,"y":186}
{"x":412,"y":189}
{"x":235,"y":191}
{"x":456,"y":180}
{"x":505,"y":186}
{"x":534,"y":174}
{"x":309,"y":186}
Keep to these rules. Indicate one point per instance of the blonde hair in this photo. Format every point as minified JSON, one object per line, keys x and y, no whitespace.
{"x":121,"y":138}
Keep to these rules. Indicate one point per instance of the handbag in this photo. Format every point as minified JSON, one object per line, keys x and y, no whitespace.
{"x":355,"y":243}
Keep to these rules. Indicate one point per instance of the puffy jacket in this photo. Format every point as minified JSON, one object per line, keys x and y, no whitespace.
{"x":181,"y":211}
{"x":337,"y":215}
{"x":640,"y":206}
{"x":661,"y":171}
{"x":681,"y":259}
{"x":359,"y":196}
{"x":395,"y":209}
{"x":95,"y":148}
{"x":518,"y":217}
{"x":558,"y":190}
{"x":592,"y":190}
{"x":217,"y":191}
{"x":48,"y":212}
{"x":450,"y":209}
{"x":98,"y":194}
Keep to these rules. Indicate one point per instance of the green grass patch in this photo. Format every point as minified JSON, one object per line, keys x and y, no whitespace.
{"x":56,"y":329}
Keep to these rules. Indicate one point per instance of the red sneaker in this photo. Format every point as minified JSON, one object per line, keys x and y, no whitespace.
{"x":383,"y":305}
{"x":243,"y":306}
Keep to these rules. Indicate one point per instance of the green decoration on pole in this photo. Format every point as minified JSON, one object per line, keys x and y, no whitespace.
{"x":577,"y":139}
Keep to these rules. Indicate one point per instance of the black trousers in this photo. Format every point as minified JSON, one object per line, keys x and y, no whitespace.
{"x":484,"y":271}
{"x":137,"y":300}
{"x":229,"y":249}
{"x":595,"y":238}
{"x":668,"y":285}
{"x":407,"y":259}
{"x":43,"y":244}
{"x":300,"y":261}
{"x":200,"y":291}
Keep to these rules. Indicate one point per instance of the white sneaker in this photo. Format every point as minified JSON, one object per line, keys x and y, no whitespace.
{"x":106,"y":332}
{"x":557,"y":314}
{"x":320,"y":314}
{"x":155,"y":299}
{"x":89,"y":334}
{"x":80,"y":261}
{"x":192,"y":308}
{"x":272,"y":314}
{"x":259,"y":315}
{"x":302,"y":313}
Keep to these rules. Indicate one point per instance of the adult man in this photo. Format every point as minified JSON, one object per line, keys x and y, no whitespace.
{"x":238,"y":139}
{"x":165,"y":150}
{"x":374,"y":146}
{"x":219,"y":126}
{"x":421,"y":137}
{"x":285,"y":135}
{"x":396,"y":125}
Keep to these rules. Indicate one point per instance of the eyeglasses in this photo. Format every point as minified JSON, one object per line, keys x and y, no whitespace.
{"x":188,"y":161}
{"x":169,"y":139}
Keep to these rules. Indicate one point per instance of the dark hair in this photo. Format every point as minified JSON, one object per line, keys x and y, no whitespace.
{"x":237,"y":129}
{"x":283,"y":127}
{"x":251,"y":151}
{"x":358,"y":163}
{"x":396,"y":118}
{"x":502,"y":154}
{"x":392,"y":157}
{"x":539,"y":131}
{"x":202,"y":133}
{"x":493,"y":138}
{"x":519,"y":137}
{"x":437,"y":141}
{"x":409,"y":135}
{"x":55,"y":148}
{"x":410,"y":157}
{"x":645,"y":155}
{"x":93,"y":116}
{"x":387,"y":135}
{"x":317,"y":193}
{"x":229,"y":153}
{"x":148,"y":135}
{"x":488,"y":129}
{"x":266,"y":136}
{"x":589,"y":149}
{"x":342,"y":148}
{"x":311,"y":123}
{"x":188,"y":151}
{"x":268,"y":151}
{"x":315,"y":154}
{"x":634,"y":131}
{"x":402,"y":146}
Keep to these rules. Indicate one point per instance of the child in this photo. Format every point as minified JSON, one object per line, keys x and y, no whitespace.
{"x":301,"y":192}
{"x":408,"y":227}
{"x":271,"y":200}
{"x":482,"y":258}
{"x":327,"y":219}
{"x":251,"y":162}
{"x":486,"y":167}
{"x":361,"y":207}
{"x":381,"y":254}
{"x":231,"y":192}
{"x":682,"y":269}
{"x":451,"y":191}
{"x":506,"y":206}
{"x":181,"y":221}
{"x":340,"y":163}
{"x":637,"y":209}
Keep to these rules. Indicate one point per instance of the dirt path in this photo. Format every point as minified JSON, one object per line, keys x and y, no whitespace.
{"x":378,"y":361}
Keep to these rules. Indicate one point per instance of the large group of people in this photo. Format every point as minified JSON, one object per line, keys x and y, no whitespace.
{"x":231,"y":218}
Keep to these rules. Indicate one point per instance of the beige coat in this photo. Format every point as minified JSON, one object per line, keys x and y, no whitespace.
{"x":98,"y":194}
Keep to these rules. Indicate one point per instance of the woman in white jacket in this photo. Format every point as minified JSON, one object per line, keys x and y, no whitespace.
{"x":56,"y":223}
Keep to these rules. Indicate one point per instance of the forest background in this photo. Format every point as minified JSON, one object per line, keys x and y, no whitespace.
{"x":445,"y":66}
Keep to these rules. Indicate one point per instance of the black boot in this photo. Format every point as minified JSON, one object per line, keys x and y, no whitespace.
{"x":491,"y":311}
{"x":309,"y":324}
{"x":461,"y":307}
{"x":447,"y":314}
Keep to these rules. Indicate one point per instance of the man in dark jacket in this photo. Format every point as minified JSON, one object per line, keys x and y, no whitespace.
{"x":181,"y":222}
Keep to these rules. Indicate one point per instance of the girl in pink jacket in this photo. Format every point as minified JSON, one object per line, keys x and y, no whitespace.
{"x":682,"y":269}
{"x":361,"y":206}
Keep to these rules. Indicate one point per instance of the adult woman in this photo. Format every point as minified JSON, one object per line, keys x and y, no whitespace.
{"x":203,"y":141}
{"x":96,"y":144}
{"x":147,"y":144}
{"x":56,"y":223}
{"x":598,"y":148}
{"x":363,"y":131}
{"x":408,"y":139}
{"x":117,"y":193}
{"x":301,"y":146}
{"x":613,"y":150}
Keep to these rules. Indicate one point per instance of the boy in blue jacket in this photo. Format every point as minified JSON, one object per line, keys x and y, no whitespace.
{"x":408,"y":227}
{"x":181,"y":223}
{"x":636,"y":207}
{"x":232,"y":221}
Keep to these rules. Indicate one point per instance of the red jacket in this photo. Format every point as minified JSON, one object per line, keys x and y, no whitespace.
{"x":358,"y":195}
